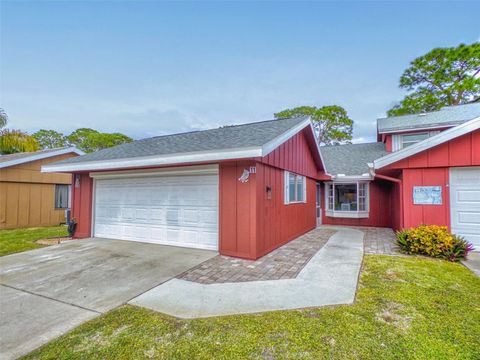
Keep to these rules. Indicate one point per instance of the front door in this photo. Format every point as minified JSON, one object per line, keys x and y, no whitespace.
{"x":319,"y":204}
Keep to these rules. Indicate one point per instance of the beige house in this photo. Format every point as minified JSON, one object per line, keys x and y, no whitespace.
{"x":29,"y":197}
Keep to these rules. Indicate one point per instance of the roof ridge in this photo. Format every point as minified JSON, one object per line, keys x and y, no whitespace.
{"x":426,"y":112}
{"x":225,"y":126}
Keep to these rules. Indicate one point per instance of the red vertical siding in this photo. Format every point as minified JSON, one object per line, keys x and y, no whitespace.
{"x":463,"y":151}
{"x":82,"y":204}
{"x":388,"y":142}
{"x":237,"y":225}
{"x":278,"y":223}
{"x":379,"y":208}
{"x":415,"y":215}
{"x":294,"y":155}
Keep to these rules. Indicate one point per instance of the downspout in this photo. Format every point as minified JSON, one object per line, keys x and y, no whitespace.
{"x":395,"y":180}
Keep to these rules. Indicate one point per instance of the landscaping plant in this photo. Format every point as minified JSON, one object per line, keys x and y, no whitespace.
{"x":435,"y":241}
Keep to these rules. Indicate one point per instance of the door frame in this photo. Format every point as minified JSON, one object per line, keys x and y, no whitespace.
{"x":318,"y":202}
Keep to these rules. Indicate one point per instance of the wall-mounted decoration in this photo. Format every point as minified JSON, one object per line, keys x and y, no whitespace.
{"x":253,"y":170}
{"x":245,"y":176}
{"x":427,"y":195}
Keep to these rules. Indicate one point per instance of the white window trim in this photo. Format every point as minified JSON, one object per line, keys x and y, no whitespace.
{"x":358,"y":214}
{"x":286,"y":189}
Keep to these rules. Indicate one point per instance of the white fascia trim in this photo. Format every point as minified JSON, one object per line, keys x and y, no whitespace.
{"x":418,"y":129}
{"x":171,"y":171}
{"x":428,"y":143}
{"x":279,"y":140}
{"x":41,"y":156}
{"x":211,"y":155}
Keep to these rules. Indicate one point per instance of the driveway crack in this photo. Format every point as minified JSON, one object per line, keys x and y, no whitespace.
{"x":50,"y":298}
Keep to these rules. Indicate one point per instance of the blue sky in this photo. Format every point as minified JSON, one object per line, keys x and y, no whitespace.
{"x":151,"y":68}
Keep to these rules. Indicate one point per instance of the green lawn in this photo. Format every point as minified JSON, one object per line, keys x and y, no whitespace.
{"x":17,"y":240}
{"x":407,"y":308}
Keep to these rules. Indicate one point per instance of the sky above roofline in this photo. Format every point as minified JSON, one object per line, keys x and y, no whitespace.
{"x":154,"y":68}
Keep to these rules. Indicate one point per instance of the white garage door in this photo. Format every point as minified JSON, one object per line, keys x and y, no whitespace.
{"x":172,"y":210}
{"x":465,"y":203}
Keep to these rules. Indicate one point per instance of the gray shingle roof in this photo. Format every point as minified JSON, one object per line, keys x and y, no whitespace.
{"x":448,"y":116}
{"x":228,"y":137}
{"x":23,"y":155}
{"x":351,"y":159}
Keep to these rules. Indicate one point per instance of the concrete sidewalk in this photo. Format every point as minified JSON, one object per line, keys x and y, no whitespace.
{"x":49,"y":291}
{"x":473,"y":262}
{"x":329,"y":278}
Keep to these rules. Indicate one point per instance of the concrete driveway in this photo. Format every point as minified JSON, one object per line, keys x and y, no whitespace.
{"x":46,"y":292}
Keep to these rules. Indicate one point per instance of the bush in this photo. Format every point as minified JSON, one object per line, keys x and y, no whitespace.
{"x":435,"y":241}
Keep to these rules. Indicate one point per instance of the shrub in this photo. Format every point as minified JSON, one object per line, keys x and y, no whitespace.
{"x":435,"y":241}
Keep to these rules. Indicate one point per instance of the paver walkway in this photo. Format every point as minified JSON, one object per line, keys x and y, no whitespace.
{"x":380,"y":241}
{"x":329,"y":278}
{"x":282,"y":263}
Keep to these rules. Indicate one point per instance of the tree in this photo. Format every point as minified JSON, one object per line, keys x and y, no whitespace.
{"x":13,"y":141}
{"x":3,"y":118}
{"x":442,"y":77}
{"x":50,"y":139}
{"x":331,"y":123}
{"x":90,"y":140}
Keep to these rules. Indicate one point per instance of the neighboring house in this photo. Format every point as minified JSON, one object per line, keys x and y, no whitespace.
{"x":29,"y":197}
{"x":245,"y":190}
{"x":425,"y":169}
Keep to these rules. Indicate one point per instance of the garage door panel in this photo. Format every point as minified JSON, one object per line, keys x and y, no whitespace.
{"x":180,"y":210}
{"x":465,"y":203}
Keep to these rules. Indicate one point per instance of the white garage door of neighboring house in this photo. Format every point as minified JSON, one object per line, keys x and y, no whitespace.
{"x":180,"y":210}
{"x":465,"y":203}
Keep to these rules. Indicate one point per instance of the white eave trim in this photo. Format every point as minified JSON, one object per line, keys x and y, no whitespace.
{"x":156,"y":160}
{"x":426,"y":144}
{"x":35,"y":157}
{"x":181,"y":158}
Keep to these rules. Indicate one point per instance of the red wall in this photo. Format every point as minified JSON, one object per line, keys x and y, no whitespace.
{"x":380,"y":213}
{"x":415,"y":215}
{"x":294,"y":155}
{"x":82,"y":204}
{"x":431,"y":168}
{"x":462,"y":151}
{"x":251,"y":225}
{"x":237,"y":223}
{"x":278,"y":223}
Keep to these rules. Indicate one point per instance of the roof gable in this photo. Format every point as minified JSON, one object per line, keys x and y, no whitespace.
{"x":428,"y":143}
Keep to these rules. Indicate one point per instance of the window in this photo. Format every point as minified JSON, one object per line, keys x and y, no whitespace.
{"x":295,"y":188}
{"x":410,"y":139}
{"x":347,"y":198}
{"x":62,"y":196}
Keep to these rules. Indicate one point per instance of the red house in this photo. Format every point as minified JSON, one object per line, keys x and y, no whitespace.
{"x":245,"y":190}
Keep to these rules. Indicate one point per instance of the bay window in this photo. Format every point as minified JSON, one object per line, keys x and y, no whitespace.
{"x":346,"y":199}
{"x":295,"y":188}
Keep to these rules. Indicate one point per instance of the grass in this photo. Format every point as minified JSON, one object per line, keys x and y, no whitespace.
{"x":18,"y":240}
{"x":406,"y":308}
